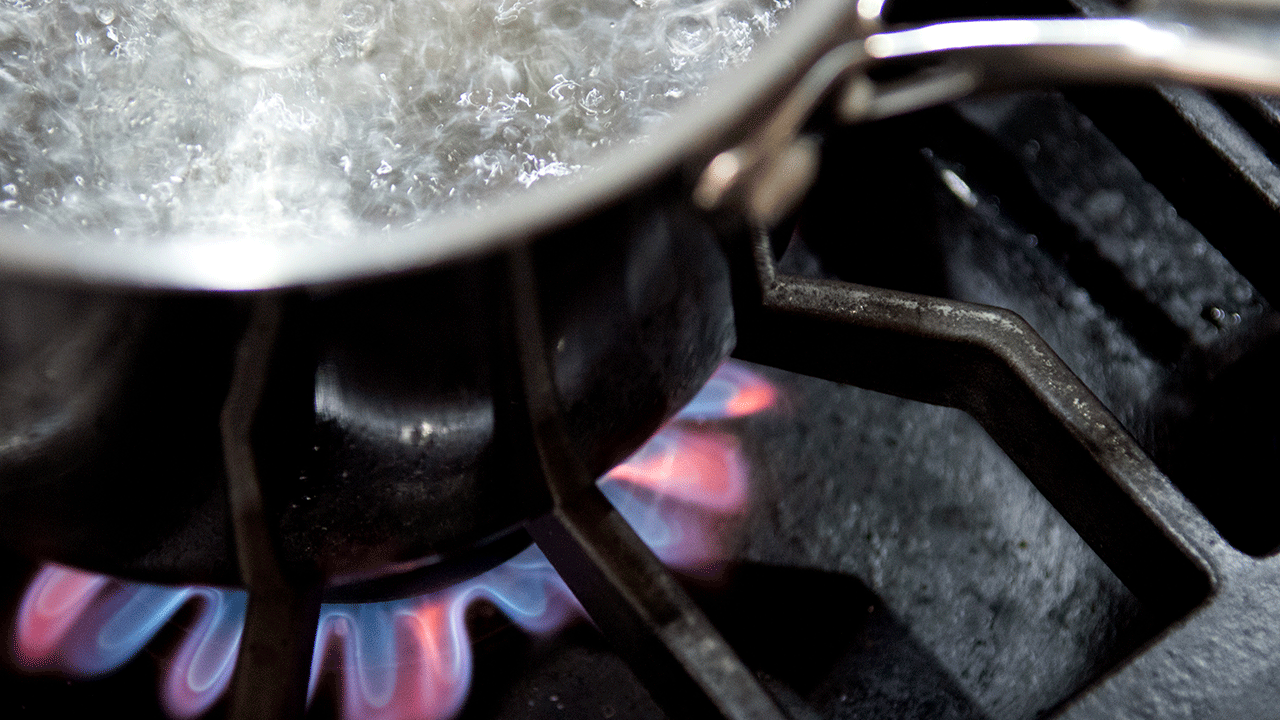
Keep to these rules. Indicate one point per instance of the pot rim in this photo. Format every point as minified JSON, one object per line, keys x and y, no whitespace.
{"x":735,"y":101}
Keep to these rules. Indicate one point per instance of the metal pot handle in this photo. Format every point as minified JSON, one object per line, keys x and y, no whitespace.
{"x":767,"y":173}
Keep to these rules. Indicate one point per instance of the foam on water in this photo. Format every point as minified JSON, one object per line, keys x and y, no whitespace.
{"x":296,"y":119}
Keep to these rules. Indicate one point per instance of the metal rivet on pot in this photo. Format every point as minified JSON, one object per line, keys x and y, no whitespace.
{"x":721,"y":174}
{"x":784,"y":180}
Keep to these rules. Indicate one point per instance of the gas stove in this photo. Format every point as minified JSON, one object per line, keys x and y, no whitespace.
{"x":902,"y":559}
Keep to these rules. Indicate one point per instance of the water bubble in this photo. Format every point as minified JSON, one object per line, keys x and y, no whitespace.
{"x":597,"y":98}
{"x":689,"y":34}
{"x":360,"y":15}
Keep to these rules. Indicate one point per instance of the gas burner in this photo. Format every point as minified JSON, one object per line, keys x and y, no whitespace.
{"x":409,"y":658}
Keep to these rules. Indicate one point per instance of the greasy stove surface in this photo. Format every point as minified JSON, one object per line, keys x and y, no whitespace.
{"x":896,"y":563}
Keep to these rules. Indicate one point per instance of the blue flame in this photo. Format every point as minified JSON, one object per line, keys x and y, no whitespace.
{"x":201,"y":670}
{"x":404,"y":659}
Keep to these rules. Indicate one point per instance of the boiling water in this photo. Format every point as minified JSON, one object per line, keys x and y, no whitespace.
{"x":298,"y":119}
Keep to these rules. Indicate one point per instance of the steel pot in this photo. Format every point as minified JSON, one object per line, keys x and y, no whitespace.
{"x":383,"y":429}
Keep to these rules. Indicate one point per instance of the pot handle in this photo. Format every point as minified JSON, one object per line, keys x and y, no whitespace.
{"x":767,"y":174}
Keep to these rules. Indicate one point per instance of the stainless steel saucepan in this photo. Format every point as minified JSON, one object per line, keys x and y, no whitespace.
{"x":381,"y":448}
